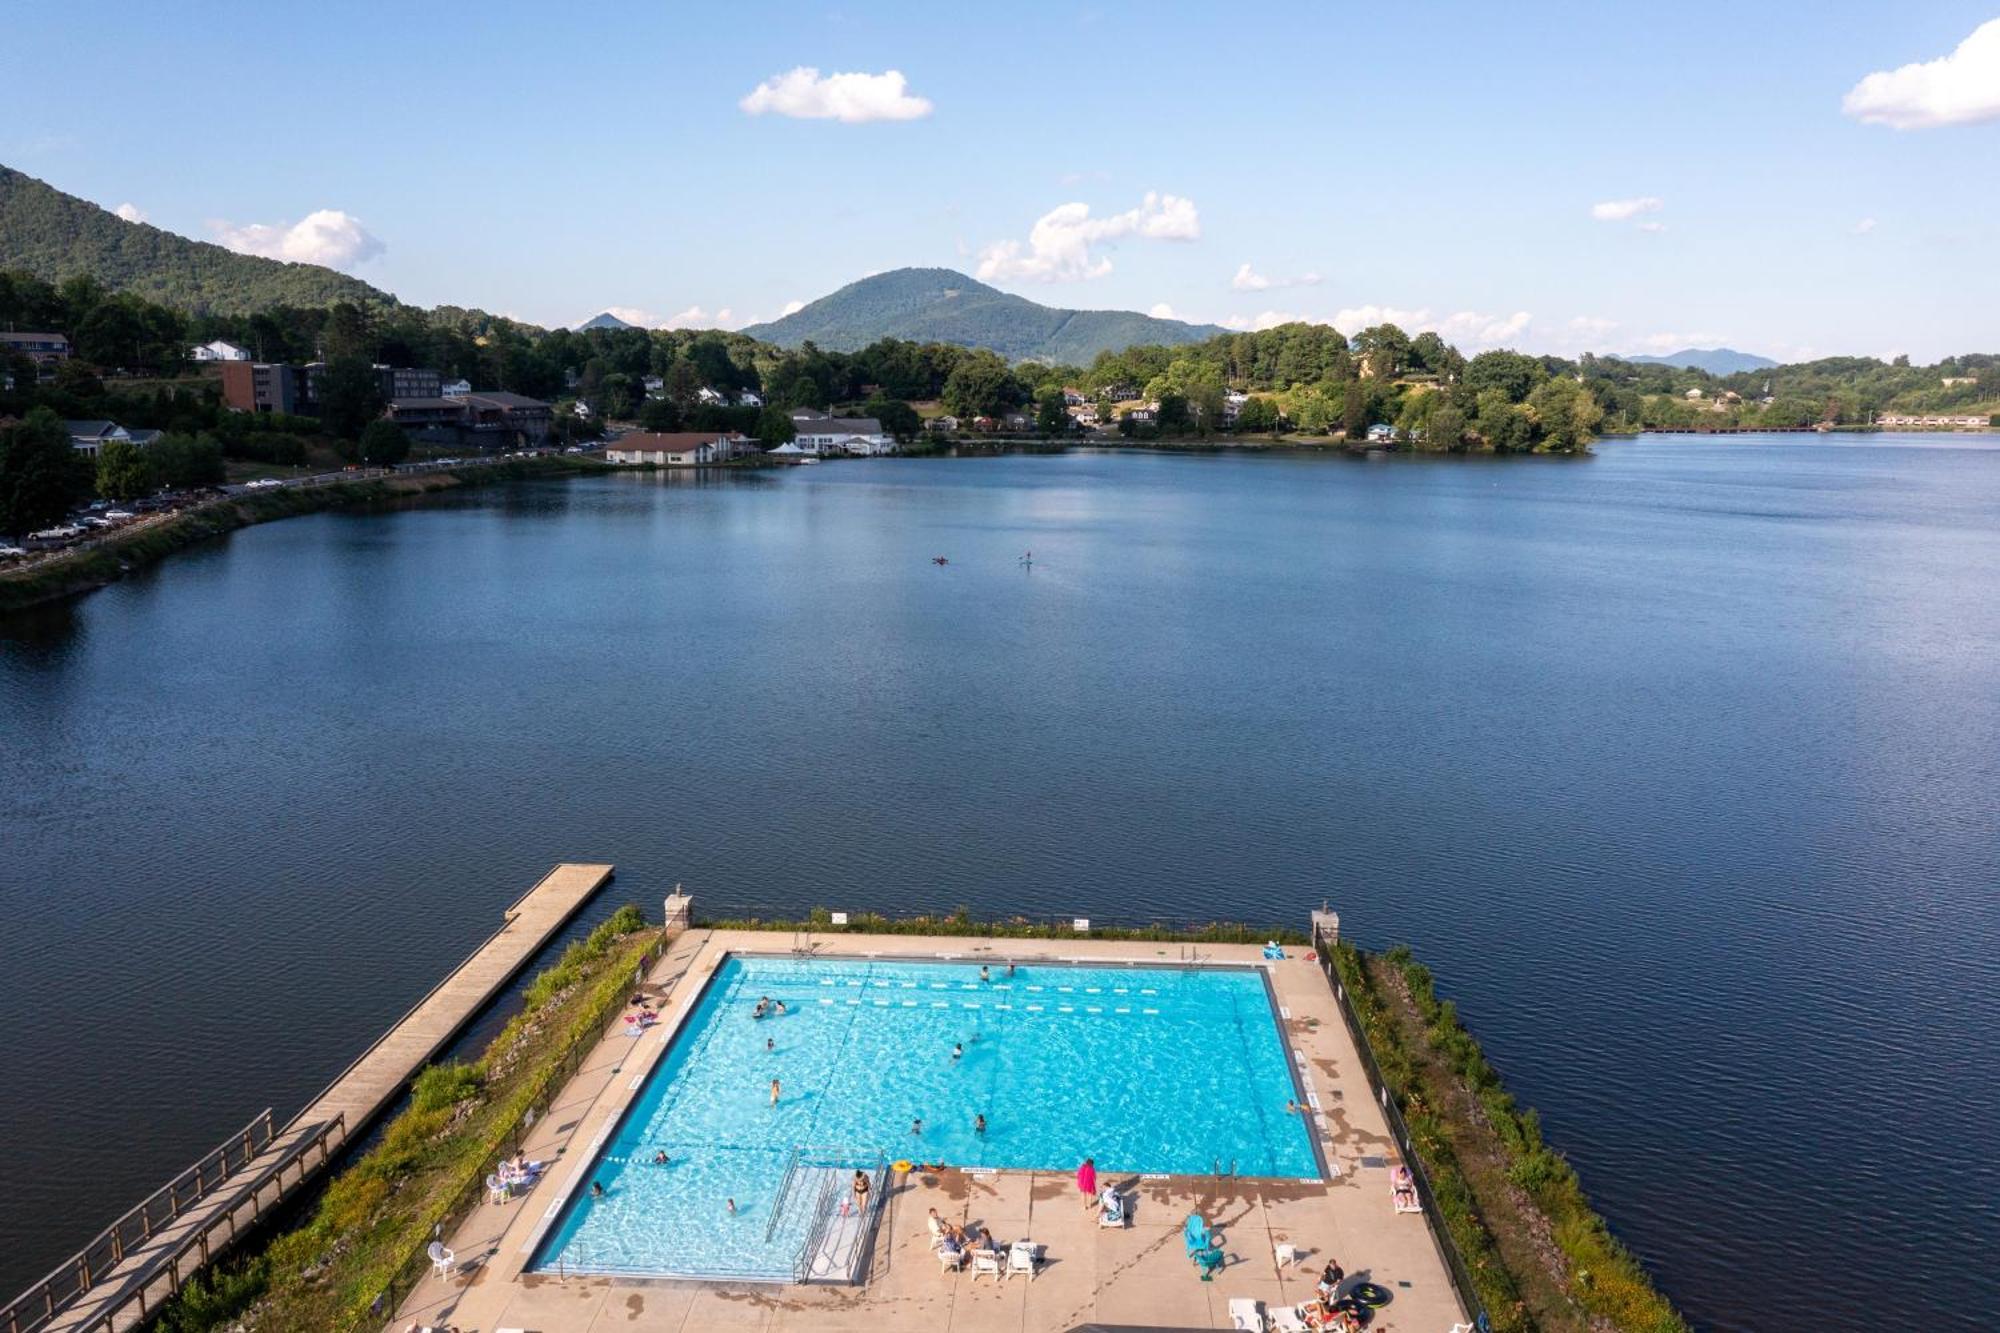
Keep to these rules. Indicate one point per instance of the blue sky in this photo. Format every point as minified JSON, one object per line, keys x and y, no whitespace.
{"x":1437,"y":164}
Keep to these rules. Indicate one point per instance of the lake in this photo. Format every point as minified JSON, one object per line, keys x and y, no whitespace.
{"x":1679,"y":765}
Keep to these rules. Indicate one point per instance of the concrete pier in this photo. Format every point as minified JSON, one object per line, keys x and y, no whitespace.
{"x":144,"y":1272}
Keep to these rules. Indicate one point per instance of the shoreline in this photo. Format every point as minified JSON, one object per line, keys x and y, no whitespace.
{"x":75,"y":573}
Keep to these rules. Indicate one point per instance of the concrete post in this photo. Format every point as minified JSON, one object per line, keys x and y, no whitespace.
{"x":1326,"y":926}
{"x":680,"y":909}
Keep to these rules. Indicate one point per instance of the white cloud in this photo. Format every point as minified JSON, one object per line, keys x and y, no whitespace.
{"x":1266,"y":319}
{"x":130,"y":212}
{"x":1959,"y":89}
{"x":1652,"y":226}
{"x":853,"y":99}
{"x":1248,"y":279}
{"x":632,"y":314}
{"x":1624,"y":210}
{"x":1161,"y":310}
{"x":328,"y":237}
{"x":1059,"y":244}
{"x":1462,"y":328}
{"x":791,"y":308}
{"x":694,"y":317}
{"x":1863,"y":227}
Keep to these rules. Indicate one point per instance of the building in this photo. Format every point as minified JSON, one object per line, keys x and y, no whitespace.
{"x":942,"y":425}
{"x":819,"y":435}
{"x":655,"y":385}
{"x":454,"y":388}
{"x":1381,"y":434}
{"x":749,"y":398}
{"x":1954,"y":381}
{"x":411,"y":382}
{"x":1232,"y":405}
{"x":678,"y":448}
{"x":260,"y":386}
{"x":44,"y":349}
{"x":708,"y":397}
{"x":87,"y":437}
{"x":219,"y":351}
{"x":506,"y":420}
{"x":474,"y":420}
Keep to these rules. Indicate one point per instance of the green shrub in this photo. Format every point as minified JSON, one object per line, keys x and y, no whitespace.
{"x":441,"y":1086}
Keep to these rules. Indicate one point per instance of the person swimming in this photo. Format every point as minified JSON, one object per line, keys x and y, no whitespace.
{"x":660,"y":1158}
{"x":958,"y":1050}
{"x":985,"y":972}
{"x":979,"y":1124}
{"x":917,"y":1125}
{"x":596,"y":1189}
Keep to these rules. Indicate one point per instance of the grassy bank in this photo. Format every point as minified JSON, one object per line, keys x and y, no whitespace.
{"x":365,"y":1239}
{"x":81,"y":571}
{"x":1538,"y":1253}
{"x":962,"y":922}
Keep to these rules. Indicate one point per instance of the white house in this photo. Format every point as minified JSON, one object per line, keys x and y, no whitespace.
{"x":676,"y":449}
{"x":842,"y":435}
{"x":454,"y":388}
{"x":1232,"y":405}
{"x":942,"y":424}
{"x":710,"y":398}
{"x":655,"y":385}
{"x":219,"y":351}
{"x":749,"y":398}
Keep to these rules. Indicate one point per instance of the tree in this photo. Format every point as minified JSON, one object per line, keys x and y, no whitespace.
{"x":180,"y":461}
{"x":897,"y":417}
{"x":123,"y":471}
{"x":1564,"y":415}
{"x":1174,"y":417}
{"x":1354,"y":411}
{"x":1504,"y":427}
{"x":383,"y":443}
{"x":350,"y":396}
{"x":1510,"y":373}
{"x":42,"y":476}
{"x":683,"y":387}
{"x":774,"y":427}
{"x":1256,"y":415}
{"x":1051,"y":413}
{"x":981,"y":386}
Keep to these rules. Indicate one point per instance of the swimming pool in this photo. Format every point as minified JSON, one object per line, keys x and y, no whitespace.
{"x":1149,"y":1070}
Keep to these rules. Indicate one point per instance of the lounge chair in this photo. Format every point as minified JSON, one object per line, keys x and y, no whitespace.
{"x":950,"y":1258}
{"x":1112,"y":1213}
{"x":1208,"y":1262}
{"x":1194,"y":1233}
{"x":987,"y":1261}
{"x":1286,"y":1319}
{"x":443,"y":1262}
{"x":1023,"y":1257}
{"x":1244,"y":1314}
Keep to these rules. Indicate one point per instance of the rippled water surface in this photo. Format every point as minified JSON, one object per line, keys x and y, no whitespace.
{"x":1679,"y":765}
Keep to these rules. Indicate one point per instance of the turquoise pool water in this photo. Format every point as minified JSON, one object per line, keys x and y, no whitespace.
{"x":1171,"y":1070}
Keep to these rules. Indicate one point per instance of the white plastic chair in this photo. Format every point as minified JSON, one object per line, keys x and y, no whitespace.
{"x":443,"y":1262}
{"x":1286,"y":1319}
{"x":1287,"y":1254}
{"x":1243,"y":1314}
{"x":950,"y":1261}
{"x":1021,"y":1257}
{"x":496,"y":1190}
{"x":986,"y":1261}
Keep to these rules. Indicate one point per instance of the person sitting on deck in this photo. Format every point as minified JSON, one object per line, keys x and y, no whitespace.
{"x":1330,"y":1279}
{"x":1113,"y":1204}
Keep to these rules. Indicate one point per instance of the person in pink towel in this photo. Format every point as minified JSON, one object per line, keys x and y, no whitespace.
{"x":1086,"y":1182}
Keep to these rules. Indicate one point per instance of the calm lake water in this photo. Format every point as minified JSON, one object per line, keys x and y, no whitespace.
{"x":1679,"y":765}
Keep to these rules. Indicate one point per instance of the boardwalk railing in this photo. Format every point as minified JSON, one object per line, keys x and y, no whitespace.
{"x":155,"y":1221}
{"x":1461,"y":1276}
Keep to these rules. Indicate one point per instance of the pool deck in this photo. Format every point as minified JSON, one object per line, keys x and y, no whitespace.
{"x":1134,"y":1276}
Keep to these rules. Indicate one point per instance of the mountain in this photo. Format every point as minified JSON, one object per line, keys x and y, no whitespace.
{"x":939,"y":305}
{"x":607,"y":320}
{"x":56,"y":236}
{"x":1714,"y":360}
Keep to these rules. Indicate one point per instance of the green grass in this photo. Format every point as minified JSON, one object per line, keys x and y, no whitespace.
{"x":365,"y":1239}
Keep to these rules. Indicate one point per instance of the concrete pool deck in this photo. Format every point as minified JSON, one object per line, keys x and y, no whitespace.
{"x":1134,"y":1276}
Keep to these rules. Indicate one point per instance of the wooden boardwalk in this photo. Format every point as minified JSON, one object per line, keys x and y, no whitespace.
{"x":149,"y":1271}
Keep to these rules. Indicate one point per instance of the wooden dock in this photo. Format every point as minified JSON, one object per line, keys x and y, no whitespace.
{"x":138,"y":1263}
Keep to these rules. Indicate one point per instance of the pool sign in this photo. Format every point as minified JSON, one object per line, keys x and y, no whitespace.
{"x":1082,"y":925}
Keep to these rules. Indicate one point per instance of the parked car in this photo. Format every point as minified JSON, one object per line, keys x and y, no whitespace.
{"x":9,"y":552}
{"x":119,"y":515}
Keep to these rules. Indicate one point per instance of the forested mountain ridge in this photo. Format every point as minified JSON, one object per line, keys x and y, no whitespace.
{"x":57,"y":236}
{"x":1714,"y":360}
{"x":939,"y":305}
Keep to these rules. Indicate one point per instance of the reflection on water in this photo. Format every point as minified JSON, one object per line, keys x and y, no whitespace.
{"x":1677,"y":764}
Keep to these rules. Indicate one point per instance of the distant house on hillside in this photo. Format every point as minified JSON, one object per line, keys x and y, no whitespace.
{"x":1381,"y":434}
{"x":44,"y":349}
{"x":655,"y":385}
{"x":708,"y":397}
{"x":863,"y":436}
{"x":1931,"y":421}
{"x":749,"y":398}
{"x":1954,"y":381}
{"x":677,"y":449}
{"x":219,"y":351}
{"x":454,"y":388}
{"x":89,"y":437}
{"x":1232,"y":405}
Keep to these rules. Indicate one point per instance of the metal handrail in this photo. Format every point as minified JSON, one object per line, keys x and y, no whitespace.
{"x":1455,"y":1265}
{"x":75,"y":1279}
